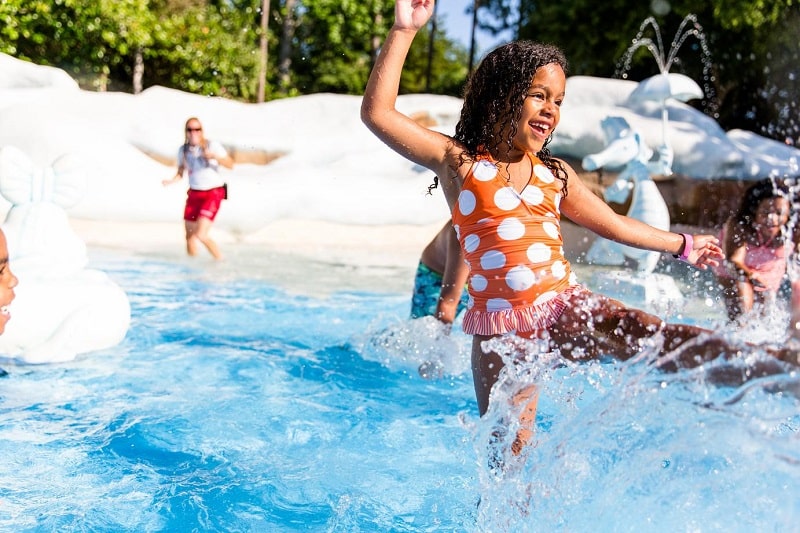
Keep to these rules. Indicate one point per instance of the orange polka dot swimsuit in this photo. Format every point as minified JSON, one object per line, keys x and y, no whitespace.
{"x":519,"y":278}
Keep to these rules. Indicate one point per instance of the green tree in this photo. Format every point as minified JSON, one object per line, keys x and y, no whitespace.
{"x":88,"y":38}
{"x":206,"y":49}
{"x":448,"y":70}
{"x":753,"y":45}
{"x":211,"y":47}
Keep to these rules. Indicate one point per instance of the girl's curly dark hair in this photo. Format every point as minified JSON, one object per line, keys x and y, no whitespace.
{"x":494,"y":95}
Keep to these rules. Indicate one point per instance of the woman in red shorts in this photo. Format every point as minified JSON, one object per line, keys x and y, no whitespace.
{"x":201,"y":158}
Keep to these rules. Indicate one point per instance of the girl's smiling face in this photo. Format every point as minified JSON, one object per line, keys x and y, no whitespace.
{"x":771,"y":216}
{"x":541,"y":110}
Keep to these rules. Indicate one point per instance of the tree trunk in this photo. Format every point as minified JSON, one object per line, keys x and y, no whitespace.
{"x":138,"y":70}
{"x":284,"y":56}
{"x":262,"y":71}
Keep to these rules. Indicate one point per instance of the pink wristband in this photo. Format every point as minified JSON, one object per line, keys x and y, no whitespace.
{"x":688,"y":246}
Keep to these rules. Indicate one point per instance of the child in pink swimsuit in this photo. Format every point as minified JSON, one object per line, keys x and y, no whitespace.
{"x":756,"y":244}
{"x":506,"y":194}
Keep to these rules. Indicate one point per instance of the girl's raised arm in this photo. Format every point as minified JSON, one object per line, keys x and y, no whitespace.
{"x":378,"y":108}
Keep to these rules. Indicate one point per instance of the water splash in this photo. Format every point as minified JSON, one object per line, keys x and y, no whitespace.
{"x":689,"y":27}
{"x":424,"y":345}
{"x":793,"y":257}
{"x":645,"y":437}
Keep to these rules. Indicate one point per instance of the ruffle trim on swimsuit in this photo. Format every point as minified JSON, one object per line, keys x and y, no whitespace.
{"x":535,"y":317}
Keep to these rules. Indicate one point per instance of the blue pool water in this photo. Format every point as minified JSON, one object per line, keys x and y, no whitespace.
{"x":237,"y":403}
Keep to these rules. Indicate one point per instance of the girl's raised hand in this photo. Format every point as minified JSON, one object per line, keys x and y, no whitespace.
{"x":412,"y":14}
{"x":705,"y":252}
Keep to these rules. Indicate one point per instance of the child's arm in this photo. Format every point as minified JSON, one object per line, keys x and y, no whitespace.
{"x":585,"y":208}
{"x":378,"y":108}
{"x":734,"y":264}
{"x":454,"y":279}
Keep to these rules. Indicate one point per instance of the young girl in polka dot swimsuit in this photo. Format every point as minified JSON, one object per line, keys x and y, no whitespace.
{"x":506,"y":194}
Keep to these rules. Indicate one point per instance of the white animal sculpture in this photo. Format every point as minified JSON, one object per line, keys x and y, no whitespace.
{"x":61,"y":308}
{"x":626,"y":148}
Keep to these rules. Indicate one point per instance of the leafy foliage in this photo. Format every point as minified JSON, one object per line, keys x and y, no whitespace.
{"x":753,"y":45}
{"x":211,"y":47}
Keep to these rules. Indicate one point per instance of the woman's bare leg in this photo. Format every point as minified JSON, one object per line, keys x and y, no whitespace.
{"x":202,"y":233}
{"x":199,"y":232}
{"x":191,"y":238}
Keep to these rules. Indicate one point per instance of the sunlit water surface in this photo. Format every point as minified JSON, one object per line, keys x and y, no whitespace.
{"x":240,"y":403}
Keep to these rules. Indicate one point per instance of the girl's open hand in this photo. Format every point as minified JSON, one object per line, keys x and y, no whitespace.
{"x":705,"y":252}
{"x":412,"y":14}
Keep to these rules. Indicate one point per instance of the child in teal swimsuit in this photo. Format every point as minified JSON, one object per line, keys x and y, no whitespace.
{"x":440,"y":283}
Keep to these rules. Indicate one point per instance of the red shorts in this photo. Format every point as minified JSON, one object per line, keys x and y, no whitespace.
{"x":203,"y":204}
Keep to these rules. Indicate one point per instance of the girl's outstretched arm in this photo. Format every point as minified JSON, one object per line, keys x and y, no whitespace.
{"x":585,"y":208}
{"x":378,"y":108}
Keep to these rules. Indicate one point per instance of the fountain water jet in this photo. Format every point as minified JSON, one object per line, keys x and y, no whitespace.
{"x":665,"y":59}
{"x":667,"y":85}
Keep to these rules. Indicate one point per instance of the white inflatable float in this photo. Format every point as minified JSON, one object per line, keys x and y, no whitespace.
{"x":61,"y":309}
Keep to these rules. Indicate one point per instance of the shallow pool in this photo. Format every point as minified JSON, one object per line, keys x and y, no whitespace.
{"x":240,"y":404}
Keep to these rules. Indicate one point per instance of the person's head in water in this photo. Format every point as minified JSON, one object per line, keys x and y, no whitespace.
{"x":764,"y":214}
{"x":7,"y":283}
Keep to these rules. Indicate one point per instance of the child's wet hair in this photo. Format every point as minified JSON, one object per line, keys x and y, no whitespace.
{"x":494,"y":95}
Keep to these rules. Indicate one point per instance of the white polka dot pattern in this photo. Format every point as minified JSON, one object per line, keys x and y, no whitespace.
{"x":552,"y":230}
{"x":543,"y":173}
{"x":539,"y":252}
{"x":511,"y":229}
{"x":484,"y":171}
{"x":512,"y":243}
{"x":533,"y":195}
{"x":520,"y":278}
{"x":478,"y":282}
{"x":559,"y":269}
{"x":471,"y":243}
{"x":506,"y":199}
{"x":493,"y":259}
{"x":497,"y":304}
{"x":466,"y":202}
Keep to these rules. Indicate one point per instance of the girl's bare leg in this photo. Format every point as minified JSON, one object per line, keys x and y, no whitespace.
{"x":485,"y":371}
{"x":486,"y":368}
{"x":529,"y":398}
{"x":594,"y":325}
